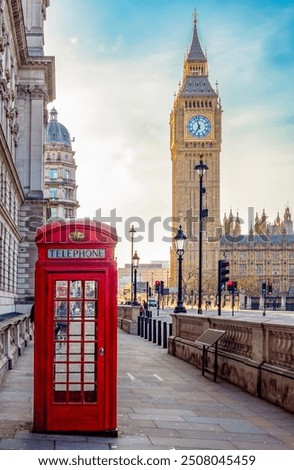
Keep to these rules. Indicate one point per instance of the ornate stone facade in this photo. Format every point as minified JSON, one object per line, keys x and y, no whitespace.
{"x":27,"y":85}
{"x":60,"y":170}
{"x":266,"y":254}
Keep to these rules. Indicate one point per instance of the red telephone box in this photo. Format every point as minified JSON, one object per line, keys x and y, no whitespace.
{"x":75,"y":357}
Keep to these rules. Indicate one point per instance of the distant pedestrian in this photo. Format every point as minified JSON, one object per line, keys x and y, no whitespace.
{"x":274,"y":304}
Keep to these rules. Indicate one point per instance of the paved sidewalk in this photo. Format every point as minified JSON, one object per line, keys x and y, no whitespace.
{"x":164,"y":403}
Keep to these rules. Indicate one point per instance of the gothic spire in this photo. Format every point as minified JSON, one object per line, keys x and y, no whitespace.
{"x":195,"y":53}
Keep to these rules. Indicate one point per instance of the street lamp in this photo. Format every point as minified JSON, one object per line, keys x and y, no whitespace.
{"x":201,"y":169}
{"x":167,"y":286}
{"x":135,"y":264}
{"x":180,"y":239}
{"x":132,"y":231}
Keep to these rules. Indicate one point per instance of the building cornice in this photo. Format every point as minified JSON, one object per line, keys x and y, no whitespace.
{"x":10,"y":164}
{"x":16,"y":13}
{"x":46,"y":63}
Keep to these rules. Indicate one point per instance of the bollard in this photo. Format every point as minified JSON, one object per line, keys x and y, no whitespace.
{"x":154,"y":331}
{"x":164,"y":343}
{"x":139,"y":325}
{"x":146,"y":327}
{"x":150,"y":329}
{"x":142,"y":328}
{"x":159,"y":333}
{"x":170,"y":329}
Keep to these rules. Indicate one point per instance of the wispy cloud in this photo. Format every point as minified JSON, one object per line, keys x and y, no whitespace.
{"x":115,"y":93}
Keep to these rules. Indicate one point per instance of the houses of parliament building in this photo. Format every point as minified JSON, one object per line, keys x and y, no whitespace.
{"x":266,"y":253}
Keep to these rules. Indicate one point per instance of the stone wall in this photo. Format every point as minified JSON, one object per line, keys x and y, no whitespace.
{"x":257,"y":356}
{"x":127,"y":318}
{"x":15,"y":332}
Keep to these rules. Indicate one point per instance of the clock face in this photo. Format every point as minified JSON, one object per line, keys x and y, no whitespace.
{"x":199,"y":126}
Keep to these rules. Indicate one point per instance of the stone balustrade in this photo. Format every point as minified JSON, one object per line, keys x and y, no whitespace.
{"x":127,"y":318}
{"x":15,"y":332}
{"x":257,"y":355}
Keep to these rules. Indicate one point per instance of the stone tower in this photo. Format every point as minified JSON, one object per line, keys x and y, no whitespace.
{"x":60,"y":170}
{"x":195,"y":135}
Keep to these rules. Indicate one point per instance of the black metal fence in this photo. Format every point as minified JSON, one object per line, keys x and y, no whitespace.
{"x":290,"y":303}
{"x":154,"y":330}
{"x":255,"y":303}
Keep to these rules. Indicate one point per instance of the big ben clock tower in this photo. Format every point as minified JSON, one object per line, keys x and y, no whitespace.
{"x":195,"y":135}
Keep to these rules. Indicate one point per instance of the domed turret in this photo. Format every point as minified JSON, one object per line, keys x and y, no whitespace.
{"x":56,"y":132}
{"x":59,"y":171}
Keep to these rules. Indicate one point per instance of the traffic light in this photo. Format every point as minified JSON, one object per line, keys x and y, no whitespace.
{"x":162,"y":287}
{"x":231,"y":286}
{"x":270,"y":288}
{"x":223,"y":271}
{"x":157,"y":284}
{"x":263,"y":289}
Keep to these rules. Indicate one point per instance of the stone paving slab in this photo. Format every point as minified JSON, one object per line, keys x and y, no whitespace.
{"x":163,"y":403}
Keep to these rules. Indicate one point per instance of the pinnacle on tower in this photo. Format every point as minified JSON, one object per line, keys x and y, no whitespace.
{"x":195,"y":53}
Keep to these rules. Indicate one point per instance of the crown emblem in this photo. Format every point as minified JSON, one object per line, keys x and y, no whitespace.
{"x":76,"y":236}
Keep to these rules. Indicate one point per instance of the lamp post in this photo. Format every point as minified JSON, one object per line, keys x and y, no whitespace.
{"x":180,"y":239}
{"x":201,"y":169}
{"x":132,"y":231}
{"x":167,"y":286}
{"x":135,"y":263}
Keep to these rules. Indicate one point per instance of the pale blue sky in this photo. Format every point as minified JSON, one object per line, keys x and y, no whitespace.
{"x":118,"y":64}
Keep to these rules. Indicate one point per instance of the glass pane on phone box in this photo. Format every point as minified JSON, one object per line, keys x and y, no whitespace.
{"x":76,"y":290}
{"x":89,"y":367}
{"x":90,"y":309}
{"x":60,"y":352}
{"x":60,"y":330}
{"x":75,"y":330}
{"x":89,"y":377}
{"x":89,"y":348}
{"x":89,"y":357}
{"x":90,"y":330}
{"x":59,"y":387}
{"x":90,"y":386}
{"x":75,"y":309}
{"x":59,"y":368}
{"x":73,"y":367}
{"x":74,"y":377}
{"x":60,"y":309}
{"x":61,"y":289}
{"x":60,"y":377}
{"x":90,"y":289}
{"x":75,"y":348}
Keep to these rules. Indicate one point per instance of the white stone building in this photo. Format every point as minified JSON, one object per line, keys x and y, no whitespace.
{"x":60,"y":170}
{"x":27,"y":85}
